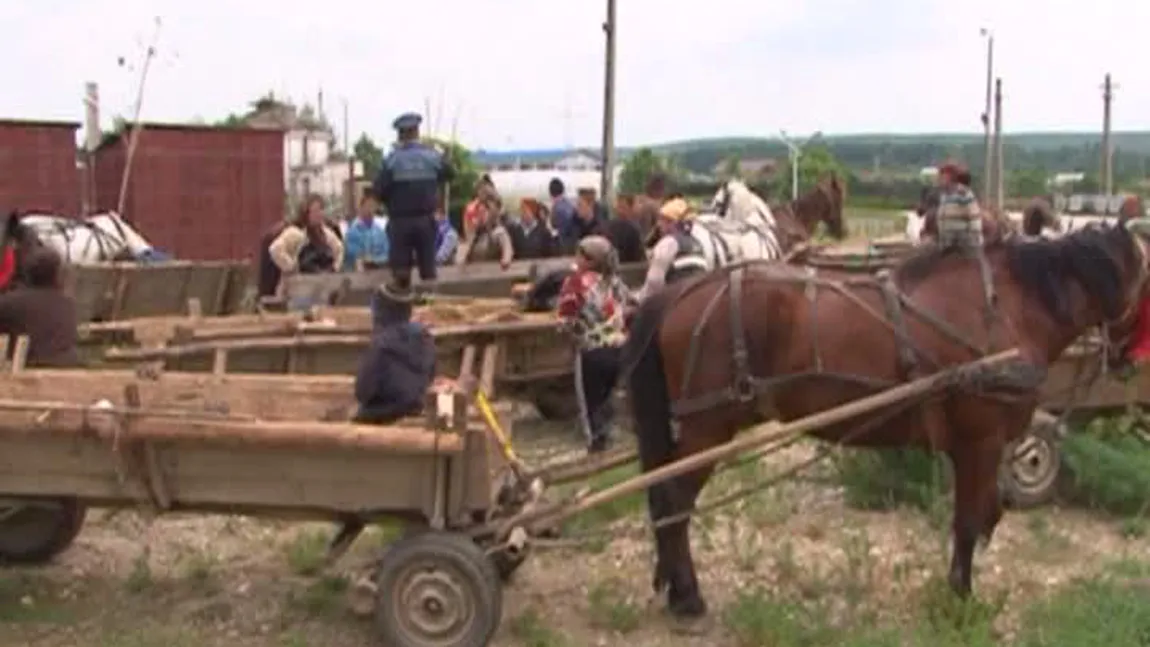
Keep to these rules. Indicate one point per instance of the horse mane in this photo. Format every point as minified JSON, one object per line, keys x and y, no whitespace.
{"x":1045,"y":268}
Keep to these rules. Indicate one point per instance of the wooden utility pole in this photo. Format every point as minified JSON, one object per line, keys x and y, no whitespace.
{"x":988,"y":167}
{"x":92,"y":136}
{"x":999,"y":172}
{"x":351,"y":197}
{"x":1107,"y":147}
{"x":607,"y":181}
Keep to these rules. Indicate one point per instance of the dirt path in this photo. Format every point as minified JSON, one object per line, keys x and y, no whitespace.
{"x":217,"y":581}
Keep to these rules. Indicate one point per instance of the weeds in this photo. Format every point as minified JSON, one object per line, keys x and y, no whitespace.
{"x":1110,"y":610}
{"x":887,"y":479}
{"x":307,"y":553}
{"x":610,"y":608}
{"x":529,"y":629}
{"x":1108,"y":467}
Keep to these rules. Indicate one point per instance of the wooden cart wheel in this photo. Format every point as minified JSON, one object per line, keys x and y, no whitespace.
{"x":437,"y":589}
{"x":1028,"y":476}
{"x":555,"y":400}
{"x":36,"y":531}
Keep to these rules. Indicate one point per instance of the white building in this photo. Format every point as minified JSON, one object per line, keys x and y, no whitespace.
{"x":311,"y":162}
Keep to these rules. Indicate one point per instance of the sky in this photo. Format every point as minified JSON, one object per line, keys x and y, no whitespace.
{"x":503,"y":74}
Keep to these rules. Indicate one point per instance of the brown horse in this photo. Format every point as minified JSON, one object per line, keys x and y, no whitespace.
{"x":1039,"y":216}
{"x":824,"y":203}
{"x":713,"y":355}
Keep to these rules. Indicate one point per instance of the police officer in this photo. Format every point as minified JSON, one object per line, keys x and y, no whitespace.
{"x":677,"y":254}
{"x":408,"y":185}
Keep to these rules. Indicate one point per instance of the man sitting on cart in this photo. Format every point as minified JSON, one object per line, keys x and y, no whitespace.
{"x":591,"y":306}
{"x":40,"y":309}
{"x":399,"y":365}
{"x":677,"y":254}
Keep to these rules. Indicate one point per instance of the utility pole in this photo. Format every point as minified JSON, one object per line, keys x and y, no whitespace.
{"x":350,"y":162}
{"x":134,"y":134}
{"x":795,"y":152}
{"x":607,"y":180}
{"x":987,"y":169}
{"x":1107,"y":147}
{"x":92,"y":137}
{"x":999,"y":173}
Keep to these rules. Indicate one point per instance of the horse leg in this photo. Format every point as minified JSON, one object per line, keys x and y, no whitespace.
{"x":977,"y":506}
{"x":676,"y":565}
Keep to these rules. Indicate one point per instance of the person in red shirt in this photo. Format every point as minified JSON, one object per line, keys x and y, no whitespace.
{"x":592,"y":304}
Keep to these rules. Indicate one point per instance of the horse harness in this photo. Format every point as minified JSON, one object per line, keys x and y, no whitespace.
{"x":745,"y":387}
{"x":63,"y":226}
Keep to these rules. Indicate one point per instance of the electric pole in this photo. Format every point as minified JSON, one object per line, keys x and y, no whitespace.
{"x":350,"y":163}
{"x":607,"y":181}
{"x":1107,"y":147}
{"x":988,"y":168}
{"x":999,"y":173}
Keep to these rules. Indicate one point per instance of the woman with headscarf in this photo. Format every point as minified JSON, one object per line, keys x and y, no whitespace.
{"x":309,"y":245}
{"x":591,"y":307}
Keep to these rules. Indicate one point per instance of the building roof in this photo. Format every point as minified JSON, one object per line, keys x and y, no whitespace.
{"x":529,"y":156}
{"x":38,"y":123}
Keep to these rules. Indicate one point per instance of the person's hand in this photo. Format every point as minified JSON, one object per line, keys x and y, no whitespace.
{"x":503,"y":265}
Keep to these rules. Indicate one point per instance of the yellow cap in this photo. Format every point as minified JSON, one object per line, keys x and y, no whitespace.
{"x":676,"y":210}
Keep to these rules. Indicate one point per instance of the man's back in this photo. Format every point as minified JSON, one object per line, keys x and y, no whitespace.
{"x":408,"y":182}
{"x":395,"y":372}
{"x":48,"y":317}
{"x":627,"y":239}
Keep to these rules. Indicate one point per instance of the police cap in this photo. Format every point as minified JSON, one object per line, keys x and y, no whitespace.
{"x":406,"y":121}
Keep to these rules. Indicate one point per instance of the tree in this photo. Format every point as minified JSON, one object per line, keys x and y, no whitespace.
{"x":732,"y":167}
{"x":1026,"y":183}
{"x":466,"y":172}
{"x":815,"y":163}
{"x":639,"y":167}
{"x":369,"y":154}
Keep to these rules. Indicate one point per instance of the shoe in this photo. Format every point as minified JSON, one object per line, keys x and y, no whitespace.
{"x":599,"y":444}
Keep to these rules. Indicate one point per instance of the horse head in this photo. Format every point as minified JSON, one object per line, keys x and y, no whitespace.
{"x":1037,"y":216}
{"x":824,"y":204}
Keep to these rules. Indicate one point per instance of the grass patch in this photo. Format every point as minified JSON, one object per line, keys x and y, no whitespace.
{"x":891,"y":478}
{"x":1110,"y":610}
{"x":1107,"y":467}
{"x":529,"y":629}
{"x":610,"y":608}
{"x":602,"y":515}
{"x":321,"y":597}
{"x":307,"y":553}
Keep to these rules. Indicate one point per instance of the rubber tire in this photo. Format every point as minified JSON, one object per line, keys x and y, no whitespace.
{"x":60,"y":529}
{"x":555,"y":401}
{"x":1014,"y":494}
{"x":467,"y":558}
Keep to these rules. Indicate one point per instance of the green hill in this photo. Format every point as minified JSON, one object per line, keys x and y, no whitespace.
{"x":1050,"y":151}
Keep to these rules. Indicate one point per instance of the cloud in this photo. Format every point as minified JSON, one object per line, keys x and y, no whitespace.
{"x":530,"y":73}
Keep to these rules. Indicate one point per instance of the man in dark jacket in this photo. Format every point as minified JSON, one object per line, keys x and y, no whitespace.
{"x":40,"y":309}
{"x":408,"y":185}
{"x":399,"y":365}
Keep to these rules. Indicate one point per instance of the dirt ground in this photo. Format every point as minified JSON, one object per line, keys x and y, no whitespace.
{"x":216,"y":581}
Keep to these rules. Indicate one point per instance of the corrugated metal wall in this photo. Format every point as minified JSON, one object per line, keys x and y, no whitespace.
{"x":198,"y":193}
{"x":38,"y":167}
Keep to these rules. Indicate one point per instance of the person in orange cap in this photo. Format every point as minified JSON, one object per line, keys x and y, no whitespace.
{"x":677,"y":254}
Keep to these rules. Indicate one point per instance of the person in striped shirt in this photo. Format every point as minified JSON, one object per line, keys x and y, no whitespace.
{"x":959,"y":216}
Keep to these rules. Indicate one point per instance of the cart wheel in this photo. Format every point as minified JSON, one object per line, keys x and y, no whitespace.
{"x":555,"y":401}
{"x":437,"y":589}
{"x":1028,"y":476}
{"x":37,"y":532}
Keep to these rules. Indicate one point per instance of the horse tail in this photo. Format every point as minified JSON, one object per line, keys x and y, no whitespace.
{"x":650,"y":399}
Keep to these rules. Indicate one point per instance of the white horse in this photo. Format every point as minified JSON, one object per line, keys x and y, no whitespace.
{"x":739,"y":226}
{"x":99,"y":238}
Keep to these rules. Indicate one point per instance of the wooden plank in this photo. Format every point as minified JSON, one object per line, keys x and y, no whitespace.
{"x":235,"y":433}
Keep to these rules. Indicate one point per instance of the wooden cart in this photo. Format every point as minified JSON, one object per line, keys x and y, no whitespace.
{"x":533,"y":358}
{"x":269,"y":446}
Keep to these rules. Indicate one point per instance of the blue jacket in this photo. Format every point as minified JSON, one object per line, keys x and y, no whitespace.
{"x":563,"y":217}
{"x":396,"y":371}
{"x":366,"y":241}
{"x":408,"y":182}
{"x":446,"y":242}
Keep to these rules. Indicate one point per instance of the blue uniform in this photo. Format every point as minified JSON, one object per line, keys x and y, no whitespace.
{"x":408,"y":184}
{"x":365,"y":241}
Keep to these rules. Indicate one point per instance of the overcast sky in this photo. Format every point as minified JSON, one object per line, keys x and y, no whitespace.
{"x":528,"y":73}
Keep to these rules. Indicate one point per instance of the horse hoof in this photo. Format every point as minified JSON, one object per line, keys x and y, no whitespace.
{"x":690,"y":625}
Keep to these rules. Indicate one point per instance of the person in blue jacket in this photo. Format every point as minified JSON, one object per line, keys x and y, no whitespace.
{"x":399,"y":365}
{"x":365,"y":239}
{"x":408,"y":184}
